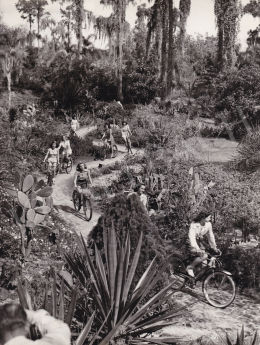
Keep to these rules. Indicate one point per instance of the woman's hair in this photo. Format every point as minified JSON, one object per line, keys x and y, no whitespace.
{"x":78,"y":166}
{"x":53,"y":142}
{"x":200,"y":216}
{"x":136,"y":189}
{"x":12,"y":317}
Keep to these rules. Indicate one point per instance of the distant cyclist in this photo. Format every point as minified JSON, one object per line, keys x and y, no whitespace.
{"x":52,"y":157}
{"x":126,"y":133}
{"x":108,"y":137}
{"x":81,"y":181}
{"x":65,"y":144}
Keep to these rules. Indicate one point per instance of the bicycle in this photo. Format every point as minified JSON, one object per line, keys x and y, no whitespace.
{"x":218,"y":285}
{"x":103,"y":150}
{"x":66,"y":164}
{"x":85,"y":205}
{"x":52,"y":173}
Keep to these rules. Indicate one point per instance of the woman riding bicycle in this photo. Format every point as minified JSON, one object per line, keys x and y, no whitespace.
{"x":65,"y":144}
{"x":108,"y":138}
{"x":81,"y":181}
{"x":52,"y":157}
{"x":126,"y":133}
{"x":199,"y":227}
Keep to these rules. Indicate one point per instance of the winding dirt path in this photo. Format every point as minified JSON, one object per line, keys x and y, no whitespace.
{"x":63,"y":188}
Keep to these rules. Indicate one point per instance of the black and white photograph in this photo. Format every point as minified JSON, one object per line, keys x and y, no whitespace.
{"x":129,"y":172}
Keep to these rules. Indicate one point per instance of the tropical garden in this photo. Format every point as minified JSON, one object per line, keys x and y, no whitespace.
{"x":192,"y":103}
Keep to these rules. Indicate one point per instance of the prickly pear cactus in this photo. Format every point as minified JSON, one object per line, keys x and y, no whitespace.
{"x":32,"y":202}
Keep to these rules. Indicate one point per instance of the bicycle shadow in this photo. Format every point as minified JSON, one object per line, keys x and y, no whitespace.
{"x":69,"y":210}
{"x":198,"y":295}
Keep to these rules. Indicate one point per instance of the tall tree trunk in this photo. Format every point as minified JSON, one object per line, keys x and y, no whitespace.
{"x":151,"y":25}
{"x":80,"y":14}
{"x":120,"y":59}
{"x":170,"y":51}
{"x":8,"y":76}
{"x":220,"y":42}
{"x":38,"y":22}
{"x":158,"y":41}
{"x":164,"y":46}
{"x":30,"y":32}
{"x":184,"y":7}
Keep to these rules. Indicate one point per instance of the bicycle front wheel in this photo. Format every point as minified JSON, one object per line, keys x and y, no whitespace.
{"x":87,"y":208}
{"x":69,"y":166}
{"x":76,"y":200}
{"x":219,"y":289}
{"x":178,"y":272}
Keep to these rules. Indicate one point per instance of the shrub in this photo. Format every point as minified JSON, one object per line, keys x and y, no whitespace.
{"x":128,"y":214}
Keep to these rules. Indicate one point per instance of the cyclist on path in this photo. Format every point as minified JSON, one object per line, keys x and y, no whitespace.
{"x":199,"y":227}
{"x":52,"y":157}
{"x":81,"y":181}
{"x":65,"y":144}
{"x":126,"y":133}
{"x":108,"y":137}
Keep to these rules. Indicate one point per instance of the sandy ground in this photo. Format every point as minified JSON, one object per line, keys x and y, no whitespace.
{"x":63,"y":188}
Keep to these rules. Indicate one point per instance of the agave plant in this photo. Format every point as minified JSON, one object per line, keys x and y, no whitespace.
{"x":241,"y":339}
{"x":34,"y":203}
{"x":56,"y":307}
{"x":127,"y":312}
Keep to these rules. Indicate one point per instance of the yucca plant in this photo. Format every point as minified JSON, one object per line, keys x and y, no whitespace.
{"x":241,"y":339}
{"x":56,"y":306}
{"x":34,"y":203}
{"x":131,"y":315}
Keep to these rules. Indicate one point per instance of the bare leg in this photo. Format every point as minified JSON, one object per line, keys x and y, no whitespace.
{"x":197,"y":261}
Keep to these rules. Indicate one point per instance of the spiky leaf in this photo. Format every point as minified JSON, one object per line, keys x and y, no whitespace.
{"x":24,"y":200}
{"x":42,"y":209}
{"x":45,"y":192}
{"x":30,"y":215}
{"x":6,"y":212}
{"x":39,"y":218}
{"x":49,"y":201}
{"x":27,"y":183}
{"x":33,"y":199}
{"x":66,"y":276}
{"x":39,"y":185}
{"x":30,"y":225}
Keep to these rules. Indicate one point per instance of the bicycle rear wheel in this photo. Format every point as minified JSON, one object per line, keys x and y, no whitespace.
{"x":178,"y":272}
{"x":219,"y":289}
{"x":115,"y":150}
{"x":103,"y":153}
{"x":69,"y":166}
{"x":87,"y":209}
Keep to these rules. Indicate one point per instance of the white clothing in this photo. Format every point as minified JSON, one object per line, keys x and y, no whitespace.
{"x":143,"y":199}
{"x":74,"y":124}
{"x":66,"y":147}
{"x":53,"y":155}
{"x":126,"y":131}
{"x":53,"y":331}
{"x":198,"y":231}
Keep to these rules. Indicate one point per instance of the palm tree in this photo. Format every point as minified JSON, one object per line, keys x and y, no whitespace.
{"x":227,"y":14}
{"x":28,"y":12}
{"x":184,"y":8}
{"x":38,"y":6}
{"x":12,"y":54}
{"x":119,"y":12}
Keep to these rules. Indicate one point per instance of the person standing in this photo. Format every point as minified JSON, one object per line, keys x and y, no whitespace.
{"x":74,"y":124}
{"x":108,"y":137}
{"x":52,"y":157}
